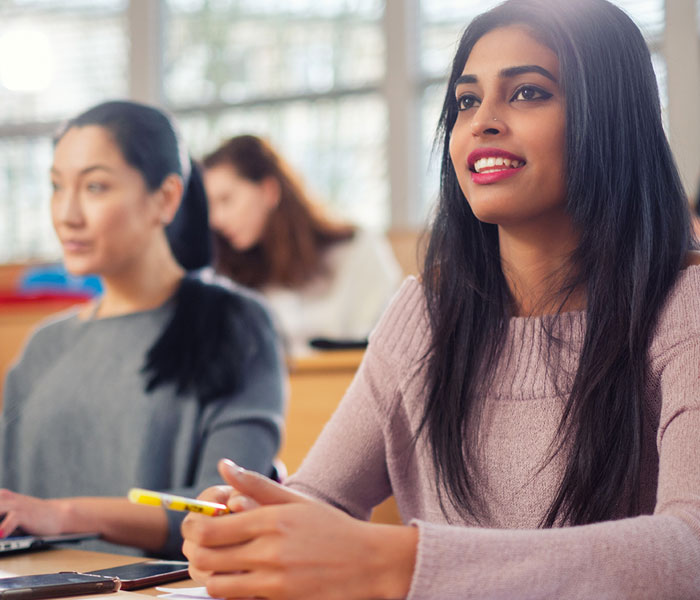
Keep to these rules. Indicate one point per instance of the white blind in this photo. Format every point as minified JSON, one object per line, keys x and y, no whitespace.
{"x":228,"y":51}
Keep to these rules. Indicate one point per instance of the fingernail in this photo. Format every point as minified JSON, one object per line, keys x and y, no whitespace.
{"x":232,"y":467}
{"x":2,"y":533}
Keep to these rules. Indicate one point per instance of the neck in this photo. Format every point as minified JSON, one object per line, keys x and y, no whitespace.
{"x":538,"y":268}
{"x":144,"y":285}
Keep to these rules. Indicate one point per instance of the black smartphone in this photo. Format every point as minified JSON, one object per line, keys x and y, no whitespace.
{"x":147,"y":573}
{"x":55,"y":585}
{"x":322,"y":343}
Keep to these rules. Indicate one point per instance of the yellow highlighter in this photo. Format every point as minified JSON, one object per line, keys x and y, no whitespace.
{"x":172,"y":502}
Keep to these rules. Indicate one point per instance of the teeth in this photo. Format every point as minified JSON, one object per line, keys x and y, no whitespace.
{"x":493,"y":161}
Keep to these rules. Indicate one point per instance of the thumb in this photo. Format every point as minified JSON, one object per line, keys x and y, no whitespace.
{"x":256,"y":486}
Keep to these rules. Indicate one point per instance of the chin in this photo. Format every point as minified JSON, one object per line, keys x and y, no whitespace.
{"x":242,"y":245}
{"x":487,"y":214}
{"x":80,"y":268}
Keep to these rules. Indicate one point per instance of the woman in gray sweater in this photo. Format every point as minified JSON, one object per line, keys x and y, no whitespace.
{"x":159,"y":377}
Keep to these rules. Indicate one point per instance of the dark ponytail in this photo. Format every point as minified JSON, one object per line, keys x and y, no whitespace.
{"x":199,"y":348}
{"x":188,"y":233}
{"x":202,"y":347}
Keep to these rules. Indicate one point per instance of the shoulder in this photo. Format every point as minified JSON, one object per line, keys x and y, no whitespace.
{"x":403,"y":333}
{"x":235,"y":315}
{"x":679,"y":320}
{"x":236,"y":300}
{"x":55,"y":331}
{"x":51,"y":338}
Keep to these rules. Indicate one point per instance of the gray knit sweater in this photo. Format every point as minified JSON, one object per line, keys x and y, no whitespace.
{"x":365,"y":453}
{"x":77,"y":421}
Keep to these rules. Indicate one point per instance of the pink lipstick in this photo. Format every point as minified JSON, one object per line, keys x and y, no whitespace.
{"x":490,"y":165}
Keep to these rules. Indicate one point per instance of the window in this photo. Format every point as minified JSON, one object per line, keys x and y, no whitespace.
{"x":55,"y":57}
{"x":306,"y":75}
{"x":309,"y":75}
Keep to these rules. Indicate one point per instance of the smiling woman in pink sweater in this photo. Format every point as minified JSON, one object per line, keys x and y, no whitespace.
{"x":533,"y":403}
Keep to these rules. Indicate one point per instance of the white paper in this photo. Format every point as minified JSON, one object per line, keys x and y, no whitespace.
{"x":7,"y":574}
{"x":195,"y":593}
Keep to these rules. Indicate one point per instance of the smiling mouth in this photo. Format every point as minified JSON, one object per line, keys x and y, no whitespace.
{"x":491,"y":164}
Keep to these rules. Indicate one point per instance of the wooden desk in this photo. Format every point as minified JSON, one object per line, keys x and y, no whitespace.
{"x":317,"y":384}
{"x":52,"y":561}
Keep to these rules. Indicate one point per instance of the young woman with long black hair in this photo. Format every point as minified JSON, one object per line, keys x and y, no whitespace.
{"x":534,"y":402}
{"x":163,"y":374}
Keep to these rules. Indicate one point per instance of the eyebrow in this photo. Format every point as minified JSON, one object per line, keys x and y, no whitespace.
{"x":89,"y":169}
{"x":510,"y":72}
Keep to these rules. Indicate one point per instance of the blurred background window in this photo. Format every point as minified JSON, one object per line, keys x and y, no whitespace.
{"x":56,"y":57}
{"x":305,"y":74}
{"x":348,"y":90}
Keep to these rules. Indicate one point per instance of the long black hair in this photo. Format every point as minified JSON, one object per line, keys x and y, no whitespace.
{"x":625,"y":197}
{"x":199,"y":338}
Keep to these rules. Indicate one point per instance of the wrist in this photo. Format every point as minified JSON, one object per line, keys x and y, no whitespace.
{"x":394,"y":549}
{"x":64,"y":514}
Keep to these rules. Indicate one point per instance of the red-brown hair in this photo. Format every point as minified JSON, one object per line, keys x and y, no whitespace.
{"x":297,"y":234}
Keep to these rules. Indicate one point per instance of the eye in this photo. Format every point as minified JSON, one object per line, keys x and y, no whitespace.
{"x":55,"y":187}
{"x":466,"y":101}
{"x":95,"y":187}
{"x":528,"y":93}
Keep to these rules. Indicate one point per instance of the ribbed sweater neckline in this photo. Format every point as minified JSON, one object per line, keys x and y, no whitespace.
{"x":534,"y":349}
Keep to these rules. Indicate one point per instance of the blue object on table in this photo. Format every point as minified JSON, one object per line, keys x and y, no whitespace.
{"x":54,"y":279}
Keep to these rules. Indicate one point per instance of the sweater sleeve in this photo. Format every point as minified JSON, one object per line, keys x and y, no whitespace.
{"x":645,"y":557}
{"x":245,"y":426}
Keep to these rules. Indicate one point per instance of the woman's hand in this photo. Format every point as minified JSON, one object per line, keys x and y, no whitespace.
{"x":230,"y":496}
{"x":284,"y":545}
{"x":33,"y":515}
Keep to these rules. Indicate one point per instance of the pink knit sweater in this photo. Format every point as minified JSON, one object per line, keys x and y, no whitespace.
{"x":364,"y":454}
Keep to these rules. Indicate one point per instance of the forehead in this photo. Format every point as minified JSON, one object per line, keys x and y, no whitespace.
{"x":509,"y":46}
{"x":81,"y":147}
{"x":223,"y":175}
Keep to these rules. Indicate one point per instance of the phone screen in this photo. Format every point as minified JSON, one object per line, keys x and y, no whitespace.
{"x":148,"y":573}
